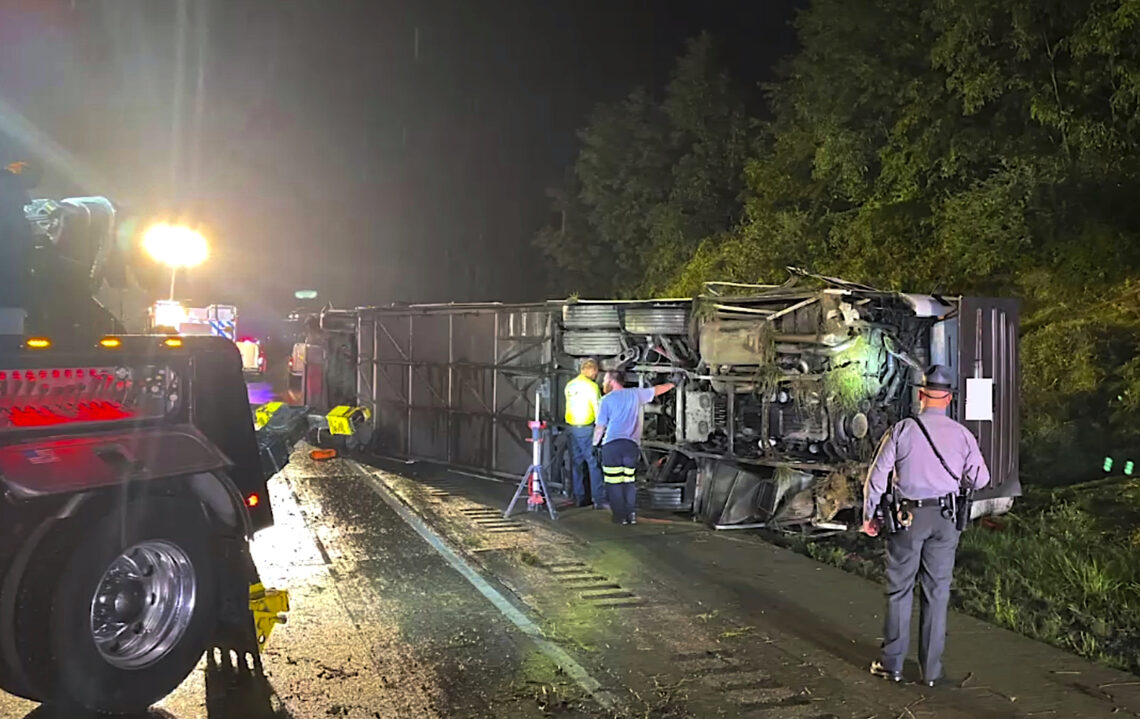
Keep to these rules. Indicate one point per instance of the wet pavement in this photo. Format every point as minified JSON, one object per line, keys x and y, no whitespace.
{"x":745,"y":615}
{"x":412,"y":596}
{"x":664,"y":650}
{"x":382,"y":625}
{"x":276,"y":385}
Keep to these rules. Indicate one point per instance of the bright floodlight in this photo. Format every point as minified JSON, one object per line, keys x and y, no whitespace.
{"x":175,"y":245}
{"x":169,"y":314}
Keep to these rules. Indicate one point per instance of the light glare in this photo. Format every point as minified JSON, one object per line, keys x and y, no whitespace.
{"x":175,"y":246}
{"x":169,"y":314}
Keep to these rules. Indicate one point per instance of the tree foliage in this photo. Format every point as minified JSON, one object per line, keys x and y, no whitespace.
{"x":960,"y":146}
{"x":653,"y":179}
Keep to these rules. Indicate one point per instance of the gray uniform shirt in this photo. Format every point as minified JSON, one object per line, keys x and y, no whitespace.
{"x":920,"y":474}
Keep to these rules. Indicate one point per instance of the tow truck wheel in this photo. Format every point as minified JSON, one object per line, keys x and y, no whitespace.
{"x":23,"y":623}
{"x":134,"y":607}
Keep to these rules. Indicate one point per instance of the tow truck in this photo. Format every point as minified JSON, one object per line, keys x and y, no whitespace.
{"x":131,"y":480}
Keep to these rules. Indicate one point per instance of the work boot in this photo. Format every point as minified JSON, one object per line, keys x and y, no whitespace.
{"x":880,"y":671}
{"x":944,"y":681}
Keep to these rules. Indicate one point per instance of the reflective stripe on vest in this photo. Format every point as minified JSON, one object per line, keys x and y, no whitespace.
{"x":582,"y":396}
{"x":618,"y":475}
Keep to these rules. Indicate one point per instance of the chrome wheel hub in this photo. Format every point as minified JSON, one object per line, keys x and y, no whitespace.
{"x":143,"y":604}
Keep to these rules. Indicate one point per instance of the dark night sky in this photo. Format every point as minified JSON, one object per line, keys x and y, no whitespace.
{"x":321,"y":151}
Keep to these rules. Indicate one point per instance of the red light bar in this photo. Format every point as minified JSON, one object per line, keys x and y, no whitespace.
{"x":47,"y":415}
{"x":55,"y":396}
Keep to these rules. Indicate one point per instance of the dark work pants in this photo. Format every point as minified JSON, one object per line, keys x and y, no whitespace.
{"x":619,"y":463}
{"x":623,"y":499}
{"x":582,"y":452}
{"x":925,"y":550}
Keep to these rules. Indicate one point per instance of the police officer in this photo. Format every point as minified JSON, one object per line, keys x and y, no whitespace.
{"x":929,"y":468}
{"x":582,"y":399}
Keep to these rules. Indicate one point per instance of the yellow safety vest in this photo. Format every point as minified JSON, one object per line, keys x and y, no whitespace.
{"x":582,"y":398}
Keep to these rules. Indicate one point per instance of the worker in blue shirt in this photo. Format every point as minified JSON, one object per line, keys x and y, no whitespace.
{"x":618,"y":429}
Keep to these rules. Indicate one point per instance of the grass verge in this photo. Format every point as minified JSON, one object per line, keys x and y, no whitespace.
{"x":1063,"y":568}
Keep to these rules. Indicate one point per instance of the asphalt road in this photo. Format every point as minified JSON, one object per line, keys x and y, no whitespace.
{"x":383,"y":625}
{"x":413,"y":597}
{"x":417,"y":599}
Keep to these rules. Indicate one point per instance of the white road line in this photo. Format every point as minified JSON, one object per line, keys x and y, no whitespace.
{"x":555,"y":653}
{"x":483,"y":477}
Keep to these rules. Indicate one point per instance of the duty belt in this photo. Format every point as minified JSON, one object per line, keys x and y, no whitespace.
{"x":930,"y":502}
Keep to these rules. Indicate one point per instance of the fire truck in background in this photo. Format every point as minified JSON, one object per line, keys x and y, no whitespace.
{"x":171,"y":316}
{"x":131,"y":477}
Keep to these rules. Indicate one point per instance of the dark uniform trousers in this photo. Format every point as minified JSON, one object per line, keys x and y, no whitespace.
{"x":619,"y":465}
{"x":925,"y":550}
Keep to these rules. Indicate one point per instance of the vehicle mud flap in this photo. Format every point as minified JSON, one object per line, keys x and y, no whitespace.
{"x":236,"y":685}
{"x":235,"y":631}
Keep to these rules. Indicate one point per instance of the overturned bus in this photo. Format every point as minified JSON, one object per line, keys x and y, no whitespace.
{"x":787,"y":391}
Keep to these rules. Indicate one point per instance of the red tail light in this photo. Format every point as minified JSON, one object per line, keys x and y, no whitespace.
{"x":252,"y":500}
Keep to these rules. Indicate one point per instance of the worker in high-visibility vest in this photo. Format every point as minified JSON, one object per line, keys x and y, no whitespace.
{"x":582,"y":398}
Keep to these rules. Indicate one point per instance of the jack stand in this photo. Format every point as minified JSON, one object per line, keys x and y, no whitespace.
{"x":532,"y":482}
